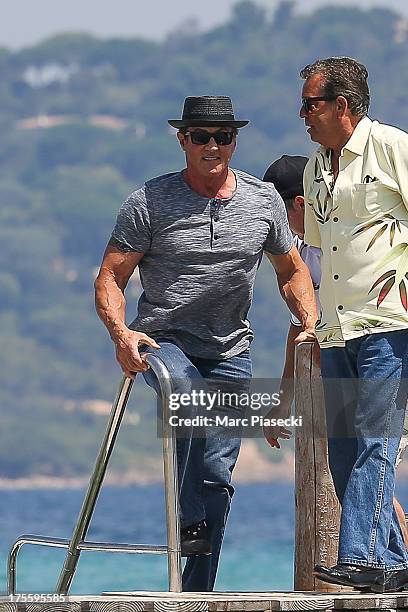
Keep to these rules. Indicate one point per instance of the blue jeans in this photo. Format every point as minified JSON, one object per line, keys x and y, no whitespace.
{"x":205,"y":464}
{"x":366,"y":396}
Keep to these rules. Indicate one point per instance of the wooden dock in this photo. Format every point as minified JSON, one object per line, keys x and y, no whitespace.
{"x":146,"y":601}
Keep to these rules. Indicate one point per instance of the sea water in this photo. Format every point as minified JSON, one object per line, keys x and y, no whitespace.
{"x":257,"y":553}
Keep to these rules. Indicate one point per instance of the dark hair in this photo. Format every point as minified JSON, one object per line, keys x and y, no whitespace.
{"x":343,"y":76}
{"x":289,"y":203}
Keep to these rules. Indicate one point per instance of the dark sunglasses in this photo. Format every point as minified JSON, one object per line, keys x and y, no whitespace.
{"x":202,"y":138}
{"x":308,"y":103}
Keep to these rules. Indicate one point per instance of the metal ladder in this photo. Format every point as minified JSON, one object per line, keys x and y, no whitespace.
{"x":77,"y":543}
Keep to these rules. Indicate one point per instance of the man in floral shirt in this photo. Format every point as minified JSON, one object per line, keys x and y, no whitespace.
{"x":356,"y":192}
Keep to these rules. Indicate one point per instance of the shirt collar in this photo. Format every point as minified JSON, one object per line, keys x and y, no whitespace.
{"x":358,"y":140}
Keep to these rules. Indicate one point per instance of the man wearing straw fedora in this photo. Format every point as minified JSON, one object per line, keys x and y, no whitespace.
{"x":198,"y":237}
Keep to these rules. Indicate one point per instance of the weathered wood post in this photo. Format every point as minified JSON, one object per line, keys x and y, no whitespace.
{"x":317,"y":508}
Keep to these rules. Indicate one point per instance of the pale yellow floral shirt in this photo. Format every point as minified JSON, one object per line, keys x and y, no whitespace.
{"x":361,"y":225}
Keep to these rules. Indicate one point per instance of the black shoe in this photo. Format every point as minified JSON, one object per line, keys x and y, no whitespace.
{"x":392,"y":582}
{"x":350,"y":575}
{"x":195,"y":540}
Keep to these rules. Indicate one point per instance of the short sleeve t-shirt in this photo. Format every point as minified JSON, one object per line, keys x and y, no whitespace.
{"x":200,"y":259}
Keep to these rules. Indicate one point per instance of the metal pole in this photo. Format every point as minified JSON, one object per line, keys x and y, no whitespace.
{"x":170,"y":476}
{"x":94,"y":487}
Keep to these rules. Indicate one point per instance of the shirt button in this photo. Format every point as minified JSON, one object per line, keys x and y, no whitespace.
{"x":335,"y":219}
{"x":216,"y":237}
{"x":336,"y":276}
{"x":340,"y":307}
{"x":334,"y":248}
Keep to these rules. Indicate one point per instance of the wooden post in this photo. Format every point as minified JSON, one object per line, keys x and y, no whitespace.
{"x":317,"y":508}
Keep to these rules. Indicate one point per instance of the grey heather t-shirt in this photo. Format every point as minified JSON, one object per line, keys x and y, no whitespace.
{"x":200,"y":259}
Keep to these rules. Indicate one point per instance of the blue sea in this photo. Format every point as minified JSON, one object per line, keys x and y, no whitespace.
{"x":257,"y":553}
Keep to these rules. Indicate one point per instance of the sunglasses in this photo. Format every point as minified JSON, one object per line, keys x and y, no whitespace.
{"x":309,"y":103}
{"x":200,"y":137}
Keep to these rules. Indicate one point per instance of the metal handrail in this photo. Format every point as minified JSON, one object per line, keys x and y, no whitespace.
{"x":15,"y":549}
{"x":171,"y":487}
{"x":78,"y":541}
{"x":95,"y":483}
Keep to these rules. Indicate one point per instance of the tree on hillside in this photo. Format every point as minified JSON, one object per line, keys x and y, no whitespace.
{"x":60,"y":187}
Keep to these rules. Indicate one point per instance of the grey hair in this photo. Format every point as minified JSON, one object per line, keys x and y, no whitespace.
{"x":343,"y":76}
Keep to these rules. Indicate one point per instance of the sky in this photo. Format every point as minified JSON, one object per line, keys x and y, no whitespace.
{"x":26,"y":22}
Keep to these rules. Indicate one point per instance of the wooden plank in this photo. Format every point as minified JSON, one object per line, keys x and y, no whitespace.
{"x":8,"y":607}
{"x":62,"y":606}
{"x":193,"y":596}
{"x":327,"y":517}
{"x":247,"y":606}
{"x":370,"y":601}
{"x":180,"y":606}
{"x":317,"y":508}
{"x":305,"y":483}
{"x":145,"y":601}
{"x":316,"y":603}
{"x":116,"y":606}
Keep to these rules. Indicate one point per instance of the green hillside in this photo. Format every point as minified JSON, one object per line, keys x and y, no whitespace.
{"x":84,"y":122}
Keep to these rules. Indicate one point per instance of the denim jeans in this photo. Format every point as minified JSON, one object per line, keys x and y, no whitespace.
{"x":205,"y":464}
{"x":366,"y":394}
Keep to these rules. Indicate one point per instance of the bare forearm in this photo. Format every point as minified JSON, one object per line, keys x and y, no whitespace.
{"x":289,"y":366}
{"x":298,"y":294}
{"x":111,"y":305}
{"x":296,"y":287}
{"x":116,"y":269}
{"x":287,"y":380}
{"x":283,"y":411}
